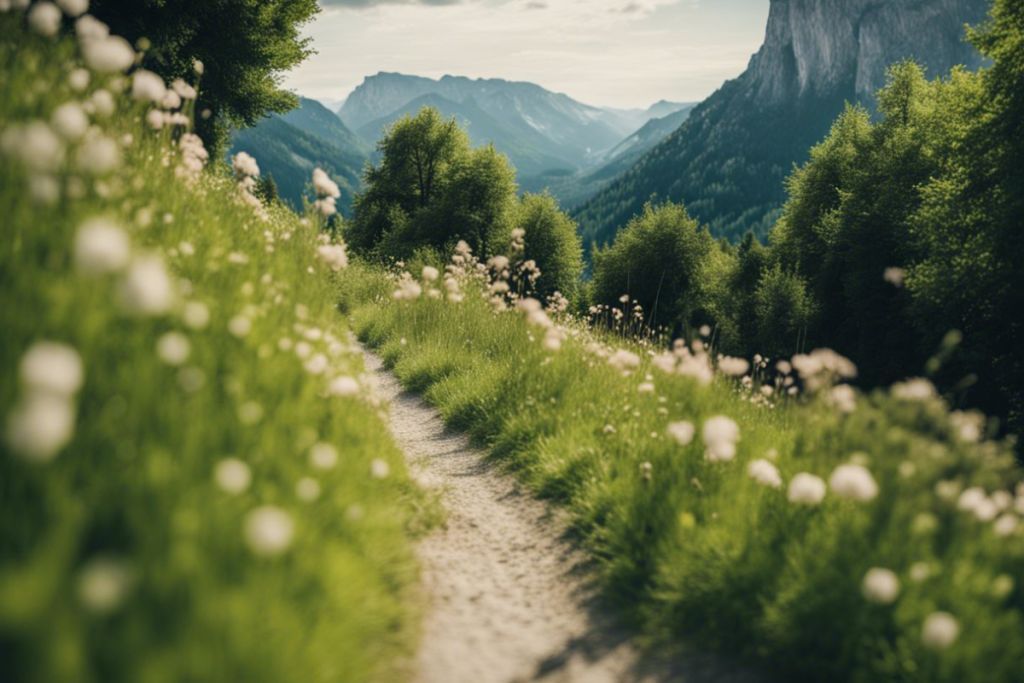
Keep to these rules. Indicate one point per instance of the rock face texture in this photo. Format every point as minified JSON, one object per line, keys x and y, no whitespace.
{"x":729,"y":160}
{"x":817,"y":47}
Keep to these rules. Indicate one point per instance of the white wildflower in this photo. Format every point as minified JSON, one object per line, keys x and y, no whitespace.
{"x":269,"y":531}
{"x":107,"y":55}
{"x":806,"y":489}
{"x":79,"y":79}
{"x":171,"y":100}
{"x":147,"y":86}
{"x":682,"y":431}
{"x":1005,"y":525}
{"x":379,"y":469}
{"x":343,"y":386}
{"x":323,"y":456}
{"x":98,"y":155}
{"x":183,"y":89}
{"x":853,"y":482}
{"x":51,"y":368}
{"x":720,"y":435}
{"x":334,"y":255}
{"x":44,"y":18}
{"x":920,"y":572}
{"x":324,"y":186}
{"x":36,"y":145}
{"x":103,"y":585}
{"x":74,"y":8}
{"x":173,"y":348}
{"x":70,"y":121}
{"x":880,"y":586}
{"x":196,"y":315}
{"x":40,"y":426}
{"x":969,"y":425}
{"x":245,"y":165}
{"x":843,"y":398}
{"x":918,"y":389}
{"x":940,"y":630}
{"x":146,"y":288}
{"x":765,"y":473}
{"x":232,"y":476}
{"x":240,"y":326}
{"x":307,"y":489}
{"x":430,"y":273}
{"x":734,"y":367}
{"x":101,"y":246}
{"x":102,"y":103}
{"x":971,"y":499}
{"x":43,"y":189}
{"x":88,"y":27}
{"x":894,"y":276}
{"x":624,"y":361}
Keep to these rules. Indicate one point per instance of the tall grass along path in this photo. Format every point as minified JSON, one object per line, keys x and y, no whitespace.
{"x":508,"y":595}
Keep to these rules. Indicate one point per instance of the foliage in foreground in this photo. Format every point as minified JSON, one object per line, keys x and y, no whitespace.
{"x":835,"y":536}
{"x":194,"y":483}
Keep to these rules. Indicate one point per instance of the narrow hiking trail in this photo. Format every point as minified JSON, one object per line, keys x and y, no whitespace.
{"x":508,"y":596}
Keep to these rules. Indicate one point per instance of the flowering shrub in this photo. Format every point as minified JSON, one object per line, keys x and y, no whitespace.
{"x":195,"y":483}
{"x":762,"y":506}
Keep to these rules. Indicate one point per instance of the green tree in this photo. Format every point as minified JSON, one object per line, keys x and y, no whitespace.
{"x":246,"y":46}
{"x":477,"y":204}
{"x":970,"y":224}
{"x":552,"y":241}
{"x":266,"y":189}
{"x":782,"y":309}
{"x":431,"y":190}
{"x":657,"y":261}
{"x":848,"y":221}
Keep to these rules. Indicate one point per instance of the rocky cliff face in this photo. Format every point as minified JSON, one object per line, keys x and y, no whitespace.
{"x":822,"y":47}
{"x":728,"y":162}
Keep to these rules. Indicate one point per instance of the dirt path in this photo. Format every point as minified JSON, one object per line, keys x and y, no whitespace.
{"x":508,"y":594}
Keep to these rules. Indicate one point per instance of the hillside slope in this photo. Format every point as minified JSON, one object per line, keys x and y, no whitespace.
{"x":288,"y":147}
{"x":573,"y":191}
{"x":729,"y":160}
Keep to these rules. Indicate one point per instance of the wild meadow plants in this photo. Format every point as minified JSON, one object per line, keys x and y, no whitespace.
{"x":195,"y":479}
{"x":765,"y":508}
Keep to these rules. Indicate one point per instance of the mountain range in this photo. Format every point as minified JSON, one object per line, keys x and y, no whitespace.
{"x":546,"y":135}
{"x":729,"y":160}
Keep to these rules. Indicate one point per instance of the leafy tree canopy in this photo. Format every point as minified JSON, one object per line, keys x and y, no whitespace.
{"x":245,"y":45}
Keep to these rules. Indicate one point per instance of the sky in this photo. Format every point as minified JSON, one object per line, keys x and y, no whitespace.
{"x":616,"y":53}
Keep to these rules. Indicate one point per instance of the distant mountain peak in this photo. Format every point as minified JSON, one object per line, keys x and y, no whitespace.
{"x":729,"y":160}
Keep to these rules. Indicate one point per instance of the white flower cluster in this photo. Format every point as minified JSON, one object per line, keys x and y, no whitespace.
{"x":327,"y":193}
{"x":822,"y":368}
{"x":536,"y":316}
{"x":720,"y":435}
{"x":682,"y":360}
{"x":334,"y":255}
{"x":42,"y":423}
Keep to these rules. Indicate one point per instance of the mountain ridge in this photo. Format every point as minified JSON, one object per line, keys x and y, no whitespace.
{"x":728,"y":162}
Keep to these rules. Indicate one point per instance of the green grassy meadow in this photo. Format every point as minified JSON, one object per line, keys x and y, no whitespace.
{"x":187,"y":492}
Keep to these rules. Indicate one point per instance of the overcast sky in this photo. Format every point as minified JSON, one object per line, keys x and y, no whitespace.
{"x":622,"y":53}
